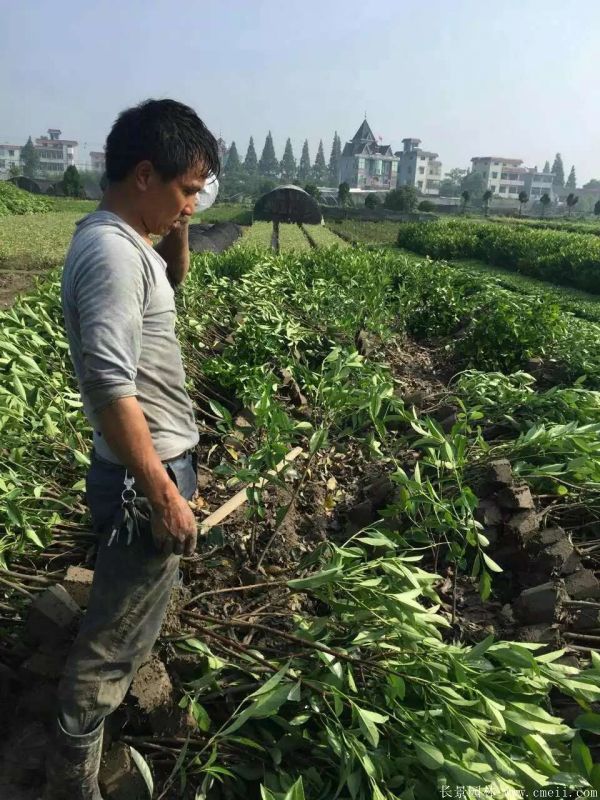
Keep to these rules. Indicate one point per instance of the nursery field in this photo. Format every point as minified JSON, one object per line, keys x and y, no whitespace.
{"x":407,"y":605}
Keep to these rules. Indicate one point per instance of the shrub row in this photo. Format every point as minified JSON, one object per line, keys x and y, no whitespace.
{"x":16,"y":201}
{"x":569,"y":259}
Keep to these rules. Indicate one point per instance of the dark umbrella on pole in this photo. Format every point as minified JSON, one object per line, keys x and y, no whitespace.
{"x":287,"y":204}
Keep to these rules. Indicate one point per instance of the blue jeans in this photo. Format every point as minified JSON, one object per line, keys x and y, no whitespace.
{"x":130,"y":591}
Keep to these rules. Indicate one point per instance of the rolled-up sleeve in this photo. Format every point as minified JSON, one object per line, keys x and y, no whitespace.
{"x":111,"y":295}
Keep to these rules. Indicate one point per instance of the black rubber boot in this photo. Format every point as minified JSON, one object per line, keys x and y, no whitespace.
{"x":72,"y":765}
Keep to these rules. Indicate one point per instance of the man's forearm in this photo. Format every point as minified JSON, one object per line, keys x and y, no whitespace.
{"x":175,"y":249}
{"x":126,"y":431}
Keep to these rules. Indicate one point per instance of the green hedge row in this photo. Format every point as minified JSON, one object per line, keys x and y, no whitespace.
{"x":569,"y":259}
{"x":15,"y":201}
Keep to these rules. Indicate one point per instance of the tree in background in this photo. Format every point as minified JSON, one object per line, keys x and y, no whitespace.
{"x":572,"y":201}
{"x":268,"y":164}
{"x":559,"y":172}
{"x":545,"y":202}
{"x":319,"y":170}
{"x":597,"y":208}
{"x":466,"y":196}
{"x":265,"y":186}
{"x":71,"y":182}
{"x":450,"y":186}
{"x":251,"y":161}
{"x":288,"y":163}
{"x":233,"y":164}
{"x":14,"y":171}
{"x":30,"y":160}
{"x":486,"y":198}
{"x":404,"y":199}
{"x":523,"y":199}
{"x":547,"y":167}
{"x":304,"y":165}
{"x":313,"y":190}
{"x":474,"y":184}
{"x":593,"y":184}
{"x":334,"y":159}
{"x":371,"y":201}
{"x":343,"y":192}
{"x":571,"y":183}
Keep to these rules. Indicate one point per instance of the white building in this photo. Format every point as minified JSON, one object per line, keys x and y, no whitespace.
{"x":55,"y":154}
{"x":10,"y":155}
{"x":419,"y":168}
{"x":97,"y":161}
{"x":507,"y":177}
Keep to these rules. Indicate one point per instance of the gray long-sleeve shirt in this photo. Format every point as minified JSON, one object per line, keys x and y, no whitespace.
{"x":119,"y":310}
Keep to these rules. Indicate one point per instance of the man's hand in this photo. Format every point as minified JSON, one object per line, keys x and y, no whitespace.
{"x":174,"y":527}
{"x":126,"y":431}
{"x":175,"y":249}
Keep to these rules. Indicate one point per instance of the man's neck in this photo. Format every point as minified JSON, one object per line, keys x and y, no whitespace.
{"x":119,"y":202}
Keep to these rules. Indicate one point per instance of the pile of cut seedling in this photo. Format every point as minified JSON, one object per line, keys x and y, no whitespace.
{"x":408,"y":606}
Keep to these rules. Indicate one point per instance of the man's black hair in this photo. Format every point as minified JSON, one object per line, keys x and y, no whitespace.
{"x":168,"y":134}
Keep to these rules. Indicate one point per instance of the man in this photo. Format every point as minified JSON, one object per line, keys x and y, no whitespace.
{"x":118,"y":303}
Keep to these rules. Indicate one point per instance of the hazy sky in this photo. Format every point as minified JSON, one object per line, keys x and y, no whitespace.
{"x":516,"y":78}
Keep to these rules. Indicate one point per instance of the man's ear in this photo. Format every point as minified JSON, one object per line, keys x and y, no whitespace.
{"x":143,"y":175}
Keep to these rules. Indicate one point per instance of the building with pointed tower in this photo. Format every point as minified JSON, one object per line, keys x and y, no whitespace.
{"x":366,"y":164}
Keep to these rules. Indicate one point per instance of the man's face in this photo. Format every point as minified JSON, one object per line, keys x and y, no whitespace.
{"x":166,"y":203}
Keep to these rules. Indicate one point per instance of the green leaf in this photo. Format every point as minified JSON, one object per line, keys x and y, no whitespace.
{"x":368,"y":721}
{"x":317,"y":579}
{"x":588,"y":722}
{"x":200,"y":715}
{"x":485,"y":585}
{"x":317,"y":440}
{"x":296,"y":792}
{"x":273,"y":681}
{"x":491,"y":564}
{"x":538,"y":745}
{"x":144,"y":769}
{"x":581,"y":755}
{"x":429,"y":755}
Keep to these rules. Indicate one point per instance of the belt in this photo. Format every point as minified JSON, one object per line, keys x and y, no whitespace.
{"x":116,"y":464}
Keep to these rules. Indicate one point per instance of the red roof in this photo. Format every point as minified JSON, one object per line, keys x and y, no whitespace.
{"x":12,"y":146}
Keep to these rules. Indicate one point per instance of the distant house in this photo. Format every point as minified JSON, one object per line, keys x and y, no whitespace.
{"x":55,"y":154}
{"x":507,"y":177}
{"x":419,"y":168}
{"x":365,"y":164}
{"x":97,"y":161}
{"x":10,"y":156}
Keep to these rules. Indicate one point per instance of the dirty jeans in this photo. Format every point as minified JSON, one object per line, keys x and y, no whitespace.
{"x":130,"y":591}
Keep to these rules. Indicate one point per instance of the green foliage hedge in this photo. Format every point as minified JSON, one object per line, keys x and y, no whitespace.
{"x":564,"y":258}
{"x":15,"y":201}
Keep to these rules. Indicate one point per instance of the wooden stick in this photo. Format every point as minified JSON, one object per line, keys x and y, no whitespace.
{"x":580,"y":604}
{"x":581,"y":637}
{"x":238,"y":499}
{"x":16,"y":587}
{"x":228,"y":589}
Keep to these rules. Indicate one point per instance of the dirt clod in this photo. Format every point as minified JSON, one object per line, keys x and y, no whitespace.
{"x":78,"y":583}
{"x":582,"y":585}
{"x":537,"y":604}
{"x":52,"y":617}
{"x":500,"y":473}
{"x":515,"y":498}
